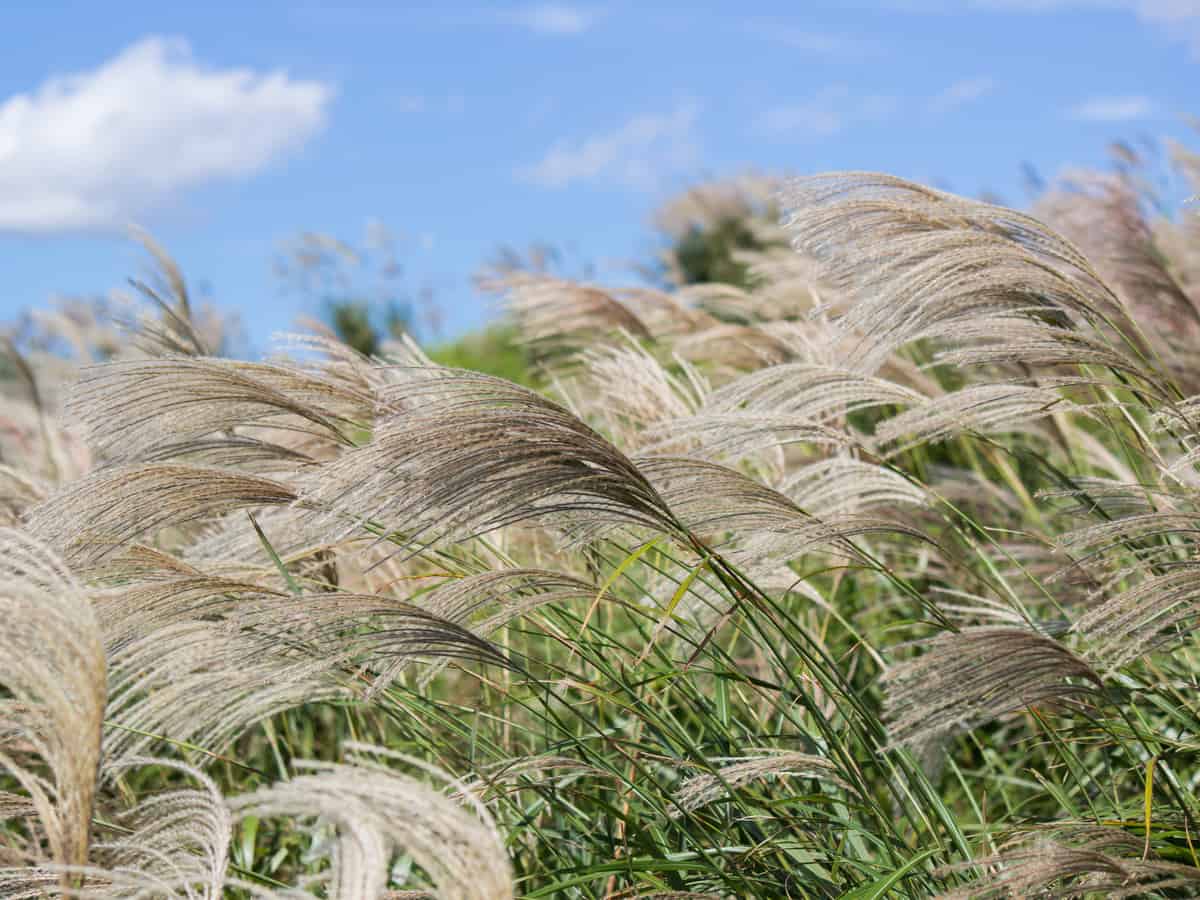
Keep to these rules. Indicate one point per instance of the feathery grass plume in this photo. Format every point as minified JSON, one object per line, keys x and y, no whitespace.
{"x":200,"y":658}
{"x":173,"y":843}
{"x":139,"y":607}
{"x":733,"y":349}
{"x":1076,"y":862}
{"x":240,"y":452}
{"x":487,"y":601}
{"x":368,"y":630}
{"x":1110,"y":498}
{"x":718,"y":302}
{"x":962,"y":679}
{"x":809,"y":392}
{"x":1105,"y":215}
{"x":786,"y":404}
{"x":1001,"y":341}
{"x":466,"y":453}
{"x":748,"y":196}
{"x":228,"y":545}
{"x":53,"y":676}
{"x":84,"y":328}
{"x":19,"y":491}
{"x":484,"y":603}
{"x":555,"y":315}
{"x":378,"y":812}
{"x":736,"y":772}
{"x":735,"y":437}
{"x":322,"y":352}
{"x":175,"y":333}
{"x":204,"y":683}
{"x":627,"y":389}
{"x":1149,"y":616}
{"x":664,"y":315}
{"x":918,"y":262}
{"x":1146,"y":536}
{"x":712,"y":500}
{"x":91,"y":518}
{"x":842,"y":485}
{"x":133,"y":408}
{"x":979,"y":408}
{"x":138,"y":561}
{"x":53,"y":453}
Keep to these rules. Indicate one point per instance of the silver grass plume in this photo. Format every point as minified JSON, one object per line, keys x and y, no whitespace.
{"x":204,"y":683}
{"x":1155,"y":613}
{"x":978,"y":408}
{"x":484,"y":603}
{"x":734,"y":773}
{"x":1074,"y":862}
{"x":91,"y":518}
{"x":139,"y":607}
{"x":712,"y":500}
{"x":1146,"y":535}
{"x":788,"y":403}
{"x":134,"y":407}
{"x":201,"y":659}
{"x":736,"y":347}
{"x":53,"y":674}
{"x":467,"y":453}
{"x":555,"y":314}
{"x":1105,"y":215}
{"x":377,"y":811}
{"x":843,"y":485}
{"x":962,"y":679}
{"x":1004,"y":341}
{"x":379,"y":633}
{"x":174,"y":843}
{"x":628,"y":390}
{"x":919,"y":262}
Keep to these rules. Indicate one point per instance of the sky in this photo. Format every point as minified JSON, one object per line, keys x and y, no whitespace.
{"x":227,"y":129}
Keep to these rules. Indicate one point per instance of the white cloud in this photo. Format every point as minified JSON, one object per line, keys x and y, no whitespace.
{"x":1113,"y":109}
{"x":829,"y":112}
{"x":96,"y":149}
{"x":813,"y":43}
{"x":961,"y":93}
{"x":557,"y":19}
{"x":639,"y":154}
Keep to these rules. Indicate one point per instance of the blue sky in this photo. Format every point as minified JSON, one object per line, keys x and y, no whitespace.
{"x":227,"y":129}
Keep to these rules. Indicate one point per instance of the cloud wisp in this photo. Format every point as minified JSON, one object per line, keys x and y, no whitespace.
{"x":639,"y":154}
{"x":548,"y":19}
{"x":1127,"y":108}
{"x":98,"y":149}
{"x":812,"y":43}
{"x":828,"y":112}
{"x":962,"y":93}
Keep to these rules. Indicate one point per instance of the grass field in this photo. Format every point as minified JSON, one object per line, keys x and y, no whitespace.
{"x":875,"y":575}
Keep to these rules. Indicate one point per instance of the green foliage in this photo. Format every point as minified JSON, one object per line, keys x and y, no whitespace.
{"x":353,"y":323}
{"x":493,"y":351}
{"x":708,"y":254}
